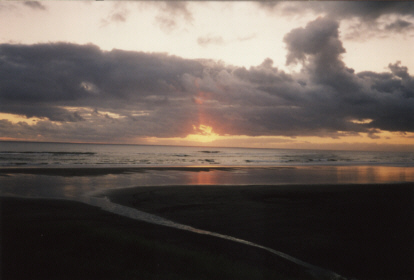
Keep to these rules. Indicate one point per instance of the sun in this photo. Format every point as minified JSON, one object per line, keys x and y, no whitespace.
{"x":203,"y":134}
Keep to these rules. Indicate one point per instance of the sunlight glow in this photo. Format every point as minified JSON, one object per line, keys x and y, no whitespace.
{"x":89,"y":87}
{"x":362,"y":121}
{"x":18,"y":118}
{"x":204,"y":133}
{"x":382,"y":140}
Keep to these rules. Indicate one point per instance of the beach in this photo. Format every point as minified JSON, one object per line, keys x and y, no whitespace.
{"x":61,"y":239}
{"x":95,"y":211}
{"x":356,"y":231}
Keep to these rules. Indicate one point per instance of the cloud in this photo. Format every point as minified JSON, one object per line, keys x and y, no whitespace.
{"x":247,"y":38}
{"x":118,"y":14}
{"x":61,"y":76}
{"x":319,"y":39}
{"x":210,"y":40}
{"x":217,"y":40}
{"x":120,"y":17}
{"x":83,"y":93}
{"x":399,"y":25}
{"x":36,"y":5}
{"x":365,"y":18}
{"x":171,"y":14}
{"x":384,"y":98}
{"x":370,"y":10}
{"x":53,"y":113}
{"x":14,"y":6}
{"x":365,"y":10}
{"x":178,"y":8}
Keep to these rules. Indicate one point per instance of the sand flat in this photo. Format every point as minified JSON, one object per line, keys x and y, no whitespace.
{"x":361,"y":231}
{"x":61,"y":239}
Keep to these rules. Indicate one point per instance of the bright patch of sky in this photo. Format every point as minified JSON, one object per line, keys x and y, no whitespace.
{"x":238,"y":33}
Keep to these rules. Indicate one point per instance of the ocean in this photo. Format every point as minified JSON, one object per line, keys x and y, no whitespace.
{"x":61,"y":170}
{"x":30,"y":154}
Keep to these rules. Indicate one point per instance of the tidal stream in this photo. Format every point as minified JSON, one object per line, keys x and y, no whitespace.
{"x":105,"y":204}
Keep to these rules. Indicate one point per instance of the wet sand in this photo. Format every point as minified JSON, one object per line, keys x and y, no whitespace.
{"x":60,"y":239}
{"x":361,"y":231}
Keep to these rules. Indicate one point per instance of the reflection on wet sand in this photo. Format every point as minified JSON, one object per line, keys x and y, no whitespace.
{"x":374,"y":174}
{"x":204,"y":178}
{"x":300,"y":175}
{"x":49,"y":184}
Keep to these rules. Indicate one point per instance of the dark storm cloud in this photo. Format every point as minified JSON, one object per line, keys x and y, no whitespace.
{"x":44,"y":80}
{"x":368,"y":10}
{"x":71,"y":73}
{"x":319,"y":39}
{"x":86,"y":94}
{"x":326,"y":98}
{"x":387,"y":101}
{"x":318,"y":47}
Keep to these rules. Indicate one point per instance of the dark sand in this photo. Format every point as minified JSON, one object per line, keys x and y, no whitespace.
{"x":59,"y":239}
{"x":361,"y":231}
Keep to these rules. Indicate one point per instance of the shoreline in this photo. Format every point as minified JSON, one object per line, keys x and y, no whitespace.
{"x":233,"y":175}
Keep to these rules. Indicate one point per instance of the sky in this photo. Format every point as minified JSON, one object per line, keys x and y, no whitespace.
{"x":304,"y":75}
